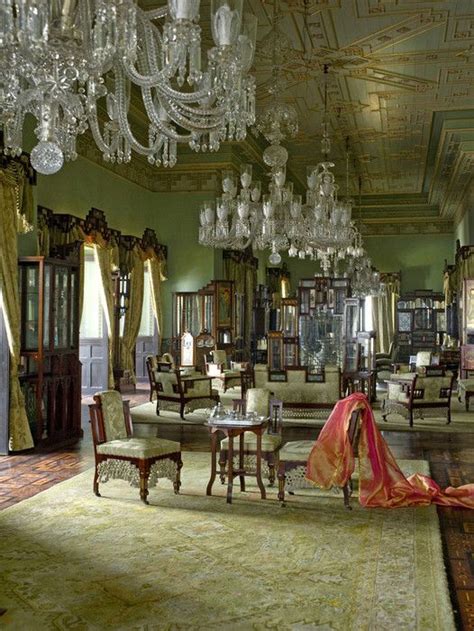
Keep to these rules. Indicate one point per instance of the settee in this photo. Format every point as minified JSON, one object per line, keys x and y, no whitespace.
{"x":304,"y":394}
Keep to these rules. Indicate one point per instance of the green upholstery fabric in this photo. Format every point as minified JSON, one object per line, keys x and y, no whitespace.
{"x":219,"y":357}
{"x":270,"y":442}
{"x":139,"y":447}
{"x":423,"y":358}
{"x":297,"y":450}
{"x":168,"y":382}
{"x":432,"y":387}
{"x":258,"y":401}
{"x":114,"y":418}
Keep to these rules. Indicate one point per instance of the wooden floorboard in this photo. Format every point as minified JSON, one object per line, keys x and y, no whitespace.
{"x":451,"y":459}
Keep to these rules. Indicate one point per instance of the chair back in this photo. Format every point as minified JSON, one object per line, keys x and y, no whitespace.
{"x":257,"y":400}
{"x":423,"y":358}
{"x":109,"y":417}
{"x":247,"y":380}
{"x":432,"y":389}
{"x":219,"y":357}
{"x":168,"y":382}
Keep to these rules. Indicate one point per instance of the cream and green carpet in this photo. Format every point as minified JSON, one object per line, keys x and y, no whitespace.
{"x":69,"y":560}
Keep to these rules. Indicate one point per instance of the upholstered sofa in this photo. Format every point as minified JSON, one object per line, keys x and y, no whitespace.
{"x":304,"y":395}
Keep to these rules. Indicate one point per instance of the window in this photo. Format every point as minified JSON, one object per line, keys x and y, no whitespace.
{"x":147,"y":324}
{"x":368,"y":314}
{"x":92,"y":320}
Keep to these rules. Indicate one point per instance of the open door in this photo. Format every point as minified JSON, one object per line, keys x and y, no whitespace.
{"x":93,"y":338}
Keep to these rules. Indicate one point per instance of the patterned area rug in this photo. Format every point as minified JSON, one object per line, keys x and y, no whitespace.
{"x":69,"y":560}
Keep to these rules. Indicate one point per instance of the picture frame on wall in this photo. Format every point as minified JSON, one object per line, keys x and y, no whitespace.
{"x":224,"y":304}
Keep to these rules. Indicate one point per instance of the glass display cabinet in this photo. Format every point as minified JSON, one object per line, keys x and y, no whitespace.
{"x":289,"y":321}
{"x":421,"y":323}
{"x":50,"y":373}
{"x":214,"y":310}
{"x":275,"y":352}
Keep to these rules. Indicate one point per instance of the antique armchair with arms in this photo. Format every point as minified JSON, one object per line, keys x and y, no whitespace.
{"x":259,"y":401}
{"x":119,"y":455}
{"x":182,"y":394}
{"x":223,"y":377}
{"x":293,"y":460}
{"x":423,"y":395}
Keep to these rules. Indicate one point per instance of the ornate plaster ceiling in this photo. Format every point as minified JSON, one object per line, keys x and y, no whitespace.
{"x":401,"y":85}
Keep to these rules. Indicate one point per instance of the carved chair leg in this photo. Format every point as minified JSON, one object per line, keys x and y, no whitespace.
{"x":181,"y":411}
{"x":96,"y":481}
{"x":410,"y":416}
{"x":144,"y":473}
{"x":281,"y":486}
{"x":222,"y":463}
{"x":177,"y":481}
{"x":347,"y":490}
{"x":449,"y":416}
{"x":271,"y":469}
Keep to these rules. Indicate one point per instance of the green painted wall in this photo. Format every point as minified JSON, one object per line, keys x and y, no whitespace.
{"x":464,"y":231}
{"x":420,"y":258}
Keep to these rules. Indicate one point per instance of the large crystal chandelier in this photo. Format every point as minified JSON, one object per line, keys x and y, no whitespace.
{"x":63,"y":61}
{"x":323,"y":230}
{"x":241,"y":218}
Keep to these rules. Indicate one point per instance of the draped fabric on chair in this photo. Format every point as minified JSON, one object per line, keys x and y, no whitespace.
{"x":133,"y":315}
{"x":242,"y":269}
{"x":384,"y":308}
{"x":15,"y":216}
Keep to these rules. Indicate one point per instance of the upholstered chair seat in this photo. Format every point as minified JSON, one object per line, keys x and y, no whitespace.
{"x":118,"y":454}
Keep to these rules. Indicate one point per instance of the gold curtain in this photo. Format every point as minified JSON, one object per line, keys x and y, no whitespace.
{"x":106,"y":256}
{"x":156,"y":267}
{"x":14,"y":195}
{"x":384,"y":309}
{"x":133,"y":315}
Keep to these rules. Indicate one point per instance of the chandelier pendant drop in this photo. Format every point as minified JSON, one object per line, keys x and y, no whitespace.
{"x":64,"y":61}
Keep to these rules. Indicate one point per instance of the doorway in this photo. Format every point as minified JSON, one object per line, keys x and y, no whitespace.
{"x":93,"y":335}
{"x":147,"y":340}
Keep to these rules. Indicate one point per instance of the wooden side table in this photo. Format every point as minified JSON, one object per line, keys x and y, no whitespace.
{"x":232,"y":429}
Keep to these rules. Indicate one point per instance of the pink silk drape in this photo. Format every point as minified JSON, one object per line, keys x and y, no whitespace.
{"x":381,"y":482}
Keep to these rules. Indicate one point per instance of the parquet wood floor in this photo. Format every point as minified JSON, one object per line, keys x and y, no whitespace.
{"x":451,"y":459}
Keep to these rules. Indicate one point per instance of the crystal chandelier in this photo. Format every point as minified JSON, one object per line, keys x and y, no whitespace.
{"x":240,"y":219}
{"x":64,"y":60}
{"x":365,"y":279}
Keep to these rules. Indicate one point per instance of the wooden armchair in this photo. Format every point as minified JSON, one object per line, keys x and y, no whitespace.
{"x":423,"y":395}
{"x":293,"y":459}
{"x":182,"y":394}
{"x":140,"y":461}
{"x":257,"y":400}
